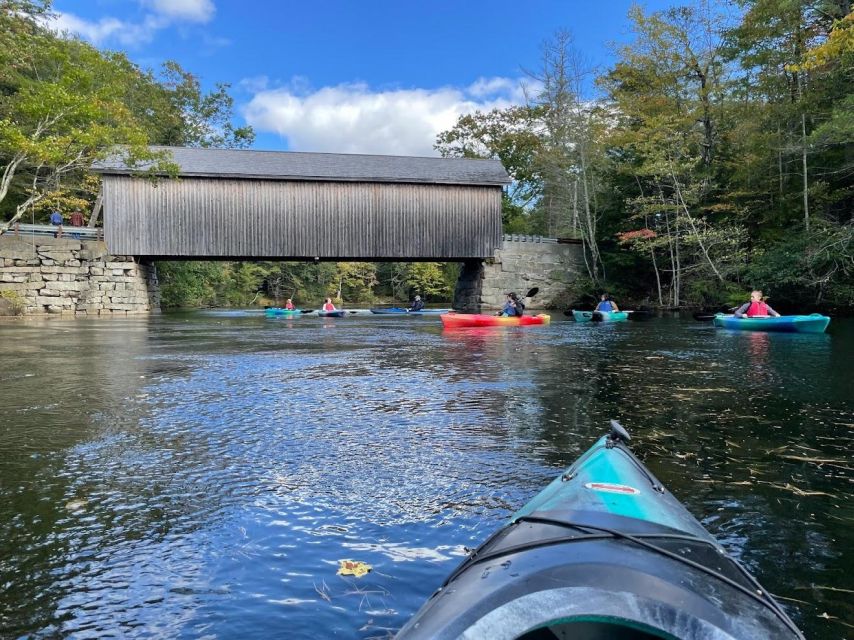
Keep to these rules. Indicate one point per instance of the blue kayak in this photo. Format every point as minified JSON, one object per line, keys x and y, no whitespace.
{"x":406,"y":312}
{"x":604,"y":551}
{"x":815,"y":323}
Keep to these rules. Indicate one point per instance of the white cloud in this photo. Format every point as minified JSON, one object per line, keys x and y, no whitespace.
{"x":163,"y":13}
{"x":125,"y":33}
{"x":182,"y":10}
{"x":352,"y":118}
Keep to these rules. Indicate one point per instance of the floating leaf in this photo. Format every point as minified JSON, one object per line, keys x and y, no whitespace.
{"x":353,"y":568}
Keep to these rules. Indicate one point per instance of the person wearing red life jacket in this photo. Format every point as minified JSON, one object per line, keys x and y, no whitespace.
{"x":328,"y":306}
{"x":756,"y":308}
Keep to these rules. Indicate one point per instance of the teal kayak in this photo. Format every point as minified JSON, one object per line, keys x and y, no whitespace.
{"x":275,"y":312}
{"x":815,"y":323}
{"x":604,"y":551}
{"x":600,"y":316}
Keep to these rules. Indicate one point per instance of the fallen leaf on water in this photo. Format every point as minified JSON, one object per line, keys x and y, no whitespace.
{"x":353,"y":568}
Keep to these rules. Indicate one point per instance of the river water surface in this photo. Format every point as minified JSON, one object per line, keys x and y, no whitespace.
{"x":202,"y":475}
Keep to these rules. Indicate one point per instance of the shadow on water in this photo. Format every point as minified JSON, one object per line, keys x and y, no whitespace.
{"x":203,"y":474}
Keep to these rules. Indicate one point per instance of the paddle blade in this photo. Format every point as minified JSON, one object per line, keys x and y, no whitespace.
{"x":532,"y":292}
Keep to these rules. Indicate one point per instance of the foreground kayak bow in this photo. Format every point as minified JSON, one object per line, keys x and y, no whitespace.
{"x":605,"y":551}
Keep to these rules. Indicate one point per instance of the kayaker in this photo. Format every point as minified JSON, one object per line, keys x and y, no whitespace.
{"x":513,"y":306}
{"x":756,"y":308}
{"x":606,"y":304}
{"x":417,"y":304}
{"x":289,"y":305}
{"x":328,"y":306}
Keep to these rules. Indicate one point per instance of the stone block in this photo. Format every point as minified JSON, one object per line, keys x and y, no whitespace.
{"x":12,"y":276}
{"x":55,"y":269}
{"x":96,"y":271}
{"x":61,"y":244}
{"x":94,"y":251}
{"x":15,"y":249}
{"x":57,"y":256}
{"x":71,"y":263}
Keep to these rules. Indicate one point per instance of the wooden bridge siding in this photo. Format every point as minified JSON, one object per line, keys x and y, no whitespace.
{"x":196,"y":217}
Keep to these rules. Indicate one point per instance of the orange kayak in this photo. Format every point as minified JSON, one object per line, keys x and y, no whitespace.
{"x":457,"y":320}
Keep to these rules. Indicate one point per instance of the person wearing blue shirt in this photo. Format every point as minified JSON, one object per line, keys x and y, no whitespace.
{"x":606,"y":304}
{"x":513,"y":306}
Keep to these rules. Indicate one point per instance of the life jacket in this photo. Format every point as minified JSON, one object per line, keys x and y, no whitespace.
{"x":757,"y":309}
{"x":605,"y":306}
{"x":289,"y":306}
{"x":328,"y":306}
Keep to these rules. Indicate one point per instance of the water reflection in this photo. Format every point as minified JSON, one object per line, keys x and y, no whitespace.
{"x":202,"y":475}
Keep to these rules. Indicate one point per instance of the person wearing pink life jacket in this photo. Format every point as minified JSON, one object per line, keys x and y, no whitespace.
{"x":756,"y":308}
{"x":289,"y":305}
{"x":328,"y":306}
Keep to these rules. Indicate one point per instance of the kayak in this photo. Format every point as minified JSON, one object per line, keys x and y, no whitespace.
{"x":406,"y":312}
{"x":604,"y":551}
{"x":600,"y":316}
{"x":273,"y":312}
{"x":340,"y":313}
{"x":815,"y":323}
{"x":457,"y":320}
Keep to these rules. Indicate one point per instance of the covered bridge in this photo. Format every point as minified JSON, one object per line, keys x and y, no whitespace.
{"x":235,"y":204}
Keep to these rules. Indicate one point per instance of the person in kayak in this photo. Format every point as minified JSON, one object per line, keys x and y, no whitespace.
{"x":289,"y":305}
{"x":513,"y":306}
{"x":606,"y":304}
{"x":756,"y":308}
{"x":328,"y":306}
{"x":417,"y":304}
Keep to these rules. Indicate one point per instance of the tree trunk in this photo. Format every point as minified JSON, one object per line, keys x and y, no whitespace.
{"x":804,"y":161}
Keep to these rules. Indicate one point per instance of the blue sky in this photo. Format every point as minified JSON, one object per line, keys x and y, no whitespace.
{"x":368,"y":76}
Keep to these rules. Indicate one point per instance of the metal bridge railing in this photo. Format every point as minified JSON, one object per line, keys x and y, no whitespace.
{"x":57,"y":231}
{"x":514,"y":237}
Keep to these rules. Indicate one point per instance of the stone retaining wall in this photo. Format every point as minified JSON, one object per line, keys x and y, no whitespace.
{"x":519,"y":266}
{"x":61,"y":275}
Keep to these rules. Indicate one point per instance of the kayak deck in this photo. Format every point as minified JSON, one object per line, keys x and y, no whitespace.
{"x":605,"y":551}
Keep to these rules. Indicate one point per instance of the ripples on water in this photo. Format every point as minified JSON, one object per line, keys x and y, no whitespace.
{"x":201,"y":475}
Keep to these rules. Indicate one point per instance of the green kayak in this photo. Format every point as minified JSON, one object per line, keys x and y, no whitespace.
{"x":600,"y":316}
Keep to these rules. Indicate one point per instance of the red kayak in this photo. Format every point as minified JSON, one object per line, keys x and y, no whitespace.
{"x":457,"y":320}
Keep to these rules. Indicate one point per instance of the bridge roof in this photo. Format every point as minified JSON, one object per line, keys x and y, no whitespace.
{"x":329,"y":167}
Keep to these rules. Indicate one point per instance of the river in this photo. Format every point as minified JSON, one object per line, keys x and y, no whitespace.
{"x":201,"y":475}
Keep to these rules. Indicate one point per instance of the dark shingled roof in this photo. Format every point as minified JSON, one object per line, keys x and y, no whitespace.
{"x":335,"y":167}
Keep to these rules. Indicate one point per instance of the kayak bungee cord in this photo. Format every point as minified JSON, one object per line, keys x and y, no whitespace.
{"x":638,"y":539}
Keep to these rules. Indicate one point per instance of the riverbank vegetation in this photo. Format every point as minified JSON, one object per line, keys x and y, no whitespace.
{"x":715,"y":155}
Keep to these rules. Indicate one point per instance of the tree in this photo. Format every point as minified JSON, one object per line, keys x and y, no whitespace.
{"x":668,"y":91}
{"x":62,"y":109}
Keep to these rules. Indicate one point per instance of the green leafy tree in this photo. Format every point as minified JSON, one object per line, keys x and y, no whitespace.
{"x":62,"y":109}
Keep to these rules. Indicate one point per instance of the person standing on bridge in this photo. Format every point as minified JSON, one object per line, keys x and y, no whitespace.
{"x":56,"y":221}
{"x":76,"y":219}
{"x":328,"y":306}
